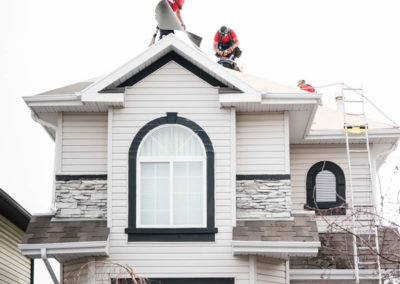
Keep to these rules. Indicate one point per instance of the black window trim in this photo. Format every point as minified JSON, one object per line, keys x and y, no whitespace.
{"x":171,"y":234}
{"x":340,"y":189}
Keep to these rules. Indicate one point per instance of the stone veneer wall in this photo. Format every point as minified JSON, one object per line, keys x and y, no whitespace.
{"x":81,"y":198}
{"x":263,"y":199}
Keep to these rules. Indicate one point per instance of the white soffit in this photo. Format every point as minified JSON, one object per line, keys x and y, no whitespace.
{"x":276,"y":249}
{"x":158,"y":50}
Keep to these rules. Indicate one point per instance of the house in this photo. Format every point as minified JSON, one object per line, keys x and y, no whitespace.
{"x":14,"y":219}
{"x":191,"y":173}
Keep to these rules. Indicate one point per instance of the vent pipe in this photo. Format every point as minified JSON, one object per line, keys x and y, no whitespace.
{"x":339,"y":103}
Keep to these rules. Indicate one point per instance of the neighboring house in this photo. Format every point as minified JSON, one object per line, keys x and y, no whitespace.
{"x":191,"y":173}
{"x":14,"y":219}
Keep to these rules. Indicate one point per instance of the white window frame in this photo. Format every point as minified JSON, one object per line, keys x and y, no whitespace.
{"x":171,"y":160}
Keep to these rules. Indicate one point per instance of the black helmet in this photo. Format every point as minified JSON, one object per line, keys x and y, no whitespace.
{"x":223,"y":30}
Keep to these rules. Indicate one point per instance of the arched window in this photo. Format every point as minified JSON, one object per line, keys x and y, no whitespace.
{"x":326,"y":187}
{"x":172,"y":186}
{"x":171,"y":182}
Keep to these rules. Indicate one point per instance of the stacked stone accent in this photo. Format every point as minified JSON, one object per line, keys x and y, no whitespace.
{"x":263,"y":199}
{"x":81,"y":198}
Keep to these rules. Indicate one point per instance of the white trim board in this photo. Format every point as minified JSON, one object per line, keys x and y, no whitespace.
{"x":275,"y":249}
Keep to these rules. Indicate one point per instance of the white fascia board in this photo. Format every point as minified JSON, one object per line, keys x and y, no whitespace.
{"x":229,"y":99}
{"x":128,"y":67}
{"x":340,"y":134}
{"x":57,"y":249}
{"x":275,"y":247}
{"x":330,"y":274}
{"x":290,"y":98}
{"x":113,"y":99}
{"x":172,"y":43}
{"x":53,"y":100}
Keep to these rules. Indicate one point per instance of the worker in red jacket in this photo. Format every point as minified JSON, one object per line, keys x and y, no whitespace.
{"x":176,"y":6}
{"x":226,"y":43}
{"x":305,"y":87}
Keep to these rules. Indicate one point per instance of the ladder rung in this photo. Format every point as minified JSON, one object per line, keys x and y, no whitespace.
{"x":357,"y":137}
{"x":352,"y":101}
{"x":360,"y":165}
{"x":366,"y":262}
{"x":364,"y":233}
{"x":363,"y":205}
{"x":364,"y":248}
{"x":356,"y":125}
{"x":352,"y":89}
{"x":360,"y":114}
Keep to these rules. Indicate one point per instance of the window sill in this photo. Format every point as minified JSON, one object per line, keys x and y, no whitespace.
{"x":328,"y":211}
{"x":171,"y":235}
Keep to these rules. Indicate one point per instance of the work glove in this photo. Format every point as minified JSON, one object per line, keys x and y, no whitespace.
{"x":225,"y":52}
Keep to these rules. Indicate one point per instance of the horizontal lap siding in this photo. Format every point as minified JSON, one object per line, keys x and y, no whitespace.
{"x":14,"y":267}
{"x":76,"y":271}
{"x":271,"y":271}
{"x":260,"y":144}
{"x":84,"y":143}
{"x":303,"y":157}
{"x":200,"y":103}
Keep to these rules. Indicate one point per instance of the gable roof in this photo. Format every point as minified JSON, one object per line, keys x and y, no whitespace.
{"x":13,"y":211}
{"x":186,"y":53}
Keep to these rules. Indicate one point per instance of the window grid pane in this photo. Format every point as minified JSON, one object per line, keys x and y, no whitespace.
{"x":188,"y":193}
{"x":154,"y":197}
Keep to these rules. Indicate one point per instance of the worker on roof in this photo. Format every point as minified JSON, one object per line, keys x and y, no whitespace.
{"x":176,"y":6}
{"x":305,"y":87}
{"x":226,"y":43}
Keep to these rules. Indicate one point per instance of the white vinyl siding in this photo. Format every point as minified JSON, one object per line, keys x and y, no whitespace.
{"x":303,"y":157}
{"x":270,"y":271}
{"x":76,"y":271}
{"x":261,"y":144}
{"x":84,"y":143}
{"x":175,"y":89}
{"x":14,"y":267}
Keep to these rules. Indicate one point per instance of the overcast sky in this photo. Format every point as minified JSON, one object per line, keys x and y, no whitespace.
{"x":45,"y":44}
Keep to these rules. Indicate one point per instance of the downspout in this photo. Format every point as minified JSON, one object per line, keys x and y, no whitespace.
{"x":32,"y":271}
{"x":43,"y":254}
{"x":51,"y":126}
